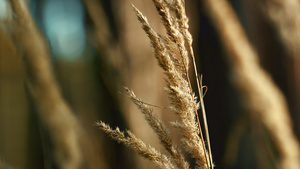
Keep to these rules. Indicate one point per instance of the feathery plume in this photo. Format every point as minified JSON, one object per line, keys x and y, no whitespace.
{"x":178,"y":87}
{"x":173,"y":57}
{"x":162,"y":131}
{"x":139,"y":146}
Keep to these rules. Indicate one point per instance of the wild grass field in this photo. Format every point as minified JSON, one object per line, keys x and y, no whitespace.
{"x":95,"y":84}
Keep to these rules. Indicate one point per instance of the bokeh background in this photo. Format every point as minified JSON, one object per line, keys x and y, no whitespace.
{"x":98,"y":46}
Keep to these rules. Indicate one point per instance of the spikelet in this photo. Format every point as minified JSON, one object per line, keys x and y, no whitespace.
{"x":139,"y":146}
{"x":172,"y":53}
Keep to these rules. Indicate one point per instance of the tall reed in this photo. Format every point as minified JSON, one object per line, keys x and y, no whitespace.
{"x":173,"y":52}
{"x":261,"y":96}
{"x":54,"y":113}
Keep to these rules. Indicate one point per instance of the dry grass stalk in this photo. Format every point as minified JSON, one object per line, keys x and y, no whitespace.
{"x":182,"y":100}
{"x":178,"y":79}
{"x":178,"y":8}
{"x":286,"y":16}
{"x":112,"y":62}
{"x":100,"y":21}
{"x":261,"y":95}
{"x":54,"y":112}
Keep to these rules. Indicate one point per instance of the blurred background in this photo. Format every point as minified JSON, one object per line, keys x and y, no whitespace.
{"x":98,"y":46}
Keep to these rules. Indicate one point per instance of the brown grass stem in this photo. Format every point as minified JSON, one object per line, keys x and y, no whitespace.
{"x":54,"y":112}
{"x":286,"y":17}
{"x":201,"y":95}
{"x":262,"y":97}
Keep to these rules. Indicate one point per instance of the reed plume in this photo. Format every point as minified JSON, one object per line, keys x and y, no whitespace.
{"x":173,"y":52}
{"x":182,"y":100}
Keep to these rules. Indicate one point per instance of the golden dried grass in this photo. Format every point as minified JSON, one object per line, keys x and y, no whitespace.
{"x":261,"y":96}
{"x":54,"y":112}
{"x":181,"y":97}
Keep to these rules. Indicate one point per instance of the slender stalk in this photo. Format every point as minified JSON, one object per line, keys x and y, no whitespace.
{"x":205,"y":122}
{"x":262,"y":97}
{"x":53,"y":110}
